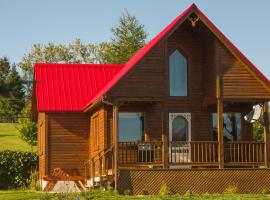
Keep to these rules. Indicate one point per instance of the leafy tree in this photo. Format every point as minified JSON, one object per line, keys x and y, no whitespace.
{"x":128,"y":37}
{"x":28,"y":129}
{"x":258,"y":129}
{"x":76,"y":52}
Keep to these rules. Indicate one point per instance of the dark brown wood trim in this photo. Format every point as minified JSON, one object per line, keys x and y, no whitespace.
{"x":266,"y":135}
{"x":46,"y":134}
{"x":116,"y":139}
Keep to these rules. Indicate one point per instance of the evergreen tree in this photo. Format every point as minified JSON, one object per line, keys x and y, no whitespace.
{"x":4,"y":71}
{"x":12,"y":102}
{"x":128,"y":37}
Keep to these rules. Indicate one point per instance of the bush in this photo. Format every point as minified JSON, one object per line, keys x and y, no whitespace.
{"x":127,"y":192}
{"x":164,"y":190}
{"x":266,"y":191}
{"x":27,"y":128}
{"x":145,"y":192}
{"x":231,"y":189}
{"x":16,"y":168}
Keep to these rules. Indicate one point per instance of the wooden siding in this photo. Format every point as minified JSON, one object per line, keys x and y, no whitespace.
{"x":182,"y":180}
{"x":42,"y":144}
{"x":237,"y":81}
{"x":95,"y":149}
{"x":209,"y":73}
{"x":68,"y":140}
{"x":149,"y":78}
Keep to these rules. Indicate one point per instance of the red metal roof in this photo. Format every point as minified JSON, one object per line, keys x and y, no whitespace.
{"x":69,"y":87}
{"x":74,"y":87}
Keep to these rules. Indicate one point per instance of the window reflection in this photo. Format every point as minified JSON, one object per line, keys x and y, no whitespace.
{"x":130,"y":126}
{"x":231,"y":126}
{"x":178,"y":74}
{"x":179,"y":129}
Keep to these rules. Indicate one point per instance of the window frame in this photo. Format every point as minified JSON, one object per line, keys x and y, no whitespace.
{"x":188,"y":71}
{"x":143,"y":124}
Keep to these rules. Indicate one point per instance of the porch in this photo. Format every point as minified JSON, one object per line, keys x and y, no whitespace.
{"x":169,"y":154}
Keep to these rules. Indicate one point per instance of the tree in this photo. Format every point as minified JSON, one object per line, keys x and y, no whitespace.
{"x":4,"y":71}
{"x":12,"y":99}
{"x":258,"y":129}
{"x":28,"y":129}
{"x":128,"y":37}
{"x":76,"y":52}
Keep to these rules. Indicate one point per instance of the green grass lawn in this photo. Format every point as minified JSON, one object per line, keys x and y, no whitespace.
{"x":98,"y":195}
{"x":10,"y":138}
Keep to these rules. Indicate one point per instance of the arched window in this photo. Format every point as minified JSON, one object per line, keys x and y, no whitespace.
{"x":179,"y":129}
{"x":178,"y":74}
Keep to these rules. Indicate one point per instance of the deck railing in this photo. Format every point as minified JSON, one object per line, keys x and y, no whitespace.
{"x":244,"y":153}
{"x":140,"y":152}
{"x":193,"y":153}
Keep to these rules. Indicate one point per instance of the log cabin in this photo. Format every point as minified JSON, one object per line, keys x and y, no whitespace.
{"x":172,"y":114}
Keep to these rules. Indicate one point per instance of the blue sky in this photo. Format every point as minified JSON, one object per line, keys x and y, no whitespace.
{"x":23,"y":23}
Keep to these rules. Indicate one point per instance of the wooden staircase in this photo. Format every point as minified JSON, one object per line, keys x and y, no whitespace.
{"x":101,"y":176}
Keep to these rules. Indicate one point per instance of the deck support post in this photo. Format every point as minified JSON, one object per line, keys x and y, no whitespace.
{"x":165,"y":148}
{"x":266,"y":135}
{"x":116,"y":139}
{"x":220,"y":133}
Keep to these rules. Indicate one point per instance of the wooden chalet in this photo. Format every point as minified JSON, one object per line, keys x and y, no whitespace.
{"x":173,"y":114}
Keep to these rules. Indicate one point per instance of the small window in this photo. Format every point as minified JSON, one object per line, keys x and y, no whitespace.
{"x":130,"y":126}
{"x":96,"y":130}
{"x":178,"y":74}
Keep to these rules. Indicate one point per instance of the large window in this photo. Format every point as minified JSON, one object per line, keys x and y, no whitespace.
{"x":178,"y":74}
{"x":130,"y":126}
{"x":231,"y":126}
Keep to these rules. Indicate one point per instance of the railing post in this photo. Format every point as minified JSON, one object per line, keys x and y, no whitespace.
{"x":100,"y":166}
{"x":266,"y":135}
{"x":116,"y":139}
{"x":220,"y":133}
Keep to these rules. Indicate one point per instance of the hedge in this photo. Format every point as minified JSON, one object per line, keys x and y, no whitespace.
{"x":16,"y":168}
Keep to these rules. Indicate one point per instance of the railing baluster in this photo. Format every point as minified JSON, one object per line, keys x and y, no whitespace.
{"x":214,"y":150}
{"x":249,"y":152}
{"x":245,"y":153}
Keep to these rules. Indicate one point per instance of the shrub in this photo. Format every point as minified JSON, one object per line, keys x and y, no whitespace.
{"x":145,"y":192}
{"x":164,"y":190}
{"x":189,"y":194}
{"x":16,"y":168}
{"x":34,"y":181}
{"x":231,"y":189}
{"x":28,"y":129}
{"x":127,"y":192}
{"x":266,"y":191}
